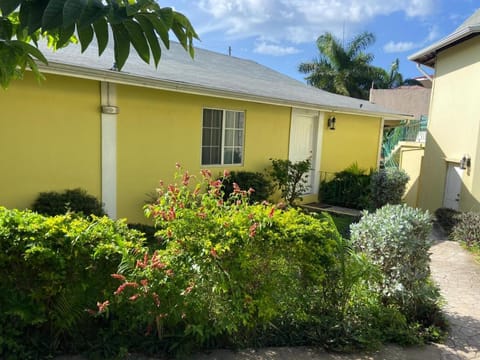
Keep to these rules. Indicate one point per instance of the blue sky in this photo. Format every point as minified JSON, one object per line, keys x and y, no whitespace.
{"x":281,"y":33}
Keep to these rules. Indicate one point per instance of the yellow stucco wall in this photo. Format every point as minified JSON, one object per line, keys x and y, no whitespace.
{"x":453,"y":128}
{"x":158,"y":128}
{"x":355,"y":139}
{"x":49,"y":138}
{"x":411,"y":156}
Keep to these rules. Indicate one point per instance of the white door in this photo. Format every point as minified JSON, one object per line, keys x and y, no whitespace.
{"x":453,"y":186}
{"x":303,"y":141}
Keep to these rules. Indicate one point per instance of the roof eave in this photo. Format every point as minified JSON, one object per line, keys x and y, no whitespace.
{"x":427,"y":56}
{"x":133,"y":80}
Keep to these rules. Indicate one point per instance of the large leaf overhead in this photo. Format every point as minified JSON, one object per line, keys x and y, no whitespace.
{"x":141,"y":23}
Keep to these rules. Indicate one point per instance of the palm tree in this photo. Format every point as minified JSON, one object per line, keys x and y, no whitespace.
{"x":340,"y":69}
{"x":393,"y":78}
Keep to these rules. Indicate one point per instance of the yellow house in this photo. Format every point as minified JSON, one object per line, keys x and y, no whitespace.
{"x":450,"y":174}
{"x":117,"y":133}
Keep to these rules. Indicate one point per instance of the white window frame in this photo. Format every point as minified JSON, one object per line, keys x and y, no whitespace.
{"x":223,"y":130}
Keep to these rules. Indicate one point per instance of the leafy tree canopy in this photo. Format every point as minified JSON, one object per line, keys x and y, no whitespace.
{"x":346,"y":69}
{"x":140,"y":23}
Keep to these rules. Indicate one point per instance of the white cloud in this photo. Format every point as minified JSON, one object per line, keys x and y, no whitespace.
{"x":299,"y":21}
{"x":402,"y":46}
{"x":275,"y":50}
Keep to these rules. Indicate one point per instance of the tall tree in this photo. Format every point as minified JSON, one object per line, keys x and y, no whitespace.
{"x":341,"y":69}
{"x":393,"y":78}
{"x":140,"y":23}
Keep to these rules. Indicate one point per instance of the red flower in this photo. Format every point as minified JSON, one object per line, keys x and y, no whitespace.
{"x":102,"y":306}
{"x":253,"y":230}
{"x":226,"y":173}
{"x":216,"y":184}
{"x":213,"y":252}
{"x":144,"y":282}
{"x":169,"y":272}
{"x":272,"y":211}
{"x":134,"y":297}
{"x":207,"y":174}
{"x":186,"y":178}
{"x":118,"y":277}
{"x":251,"y":191}
{"x":236,"y":188}
{"x":123,"y":286}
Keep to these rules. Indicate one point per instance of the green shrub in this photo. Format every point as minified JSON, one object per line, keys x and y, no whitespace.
{"x":291,"y":178}
{"x":349,"y":188}
{"x":396,"y":238}
{"x":248,"y":180}
{"x":53,"y":268}
{"x":74,"y":200}
{"x":467,"y":229}
{"x":447,"y":218}
{"x":235,"y":274}
{"x":148,"y":231}
{"x":387,"y":187}
{"x":229,"y":269}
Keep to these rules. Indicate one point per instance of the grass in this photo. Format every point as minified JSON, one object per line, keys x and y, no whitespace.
{"x":342,"y":222}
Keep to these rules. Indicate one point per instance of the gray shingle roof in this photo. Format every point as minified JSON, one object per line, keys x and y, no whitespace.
{"x":469,"y":29}
{"x":210,"y":73}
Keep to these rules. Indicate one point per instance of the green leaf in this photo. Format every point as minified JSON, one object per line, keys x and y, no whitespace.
{"x":35,"y":14}
{"x":151,"y":37}
{"x":65,"y":35}
{"x":6,"y":29}
{"x":52,"y":16}
{"x":85,"y":35}
{"x":29,"y":49}
{"x":166,"y":15}
{"x":121,"y":44}
{"x":137,"y":38}
{"x":91,"y":13}
{"x":101,"y":33}
{"x":117,"y":14}
{"x":160,"y":28}
{"x":72,"y":10}
{"x":8,"y":6}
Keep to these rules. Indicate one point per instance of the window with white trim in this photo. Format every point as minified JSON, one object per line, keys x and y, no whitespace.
{"x":222,"y":137}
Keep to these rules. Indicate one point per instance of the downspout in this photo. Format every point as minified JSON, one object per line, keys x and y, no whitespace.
{"x":419,"y":67}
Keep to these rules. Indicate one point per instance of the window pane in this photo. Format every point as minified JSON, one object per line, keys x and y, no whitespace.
{"x":240,"y":120}
{"x":239,"y":138}
{"x":229,"y":119}
{"x":212,"y":137}
{"x":229,"y":136}
{"x":228,"y":156}
{"x":206,"y":156}
{"x":206,"y":137}
{"x":237,"y":155}
{"x":216,"y":137}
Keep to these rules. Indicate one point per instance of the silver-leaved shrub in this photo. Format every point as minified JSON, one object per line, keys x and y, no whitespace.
{"x":396,"y":239}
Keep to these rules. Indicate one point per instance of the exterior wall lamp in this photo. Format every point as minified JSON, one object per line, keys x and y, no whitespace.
{"x":331,"y":122}
{"x":466,"y":162}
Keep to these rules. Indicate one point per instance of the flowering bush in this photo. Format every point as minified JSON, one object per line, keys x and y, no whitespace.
{"x":229,"y":269}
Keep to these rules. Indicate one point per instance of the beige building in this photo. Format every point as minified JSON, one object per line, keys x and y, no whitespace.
{"x":450,"y":175}
{"x":413,"y":100}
